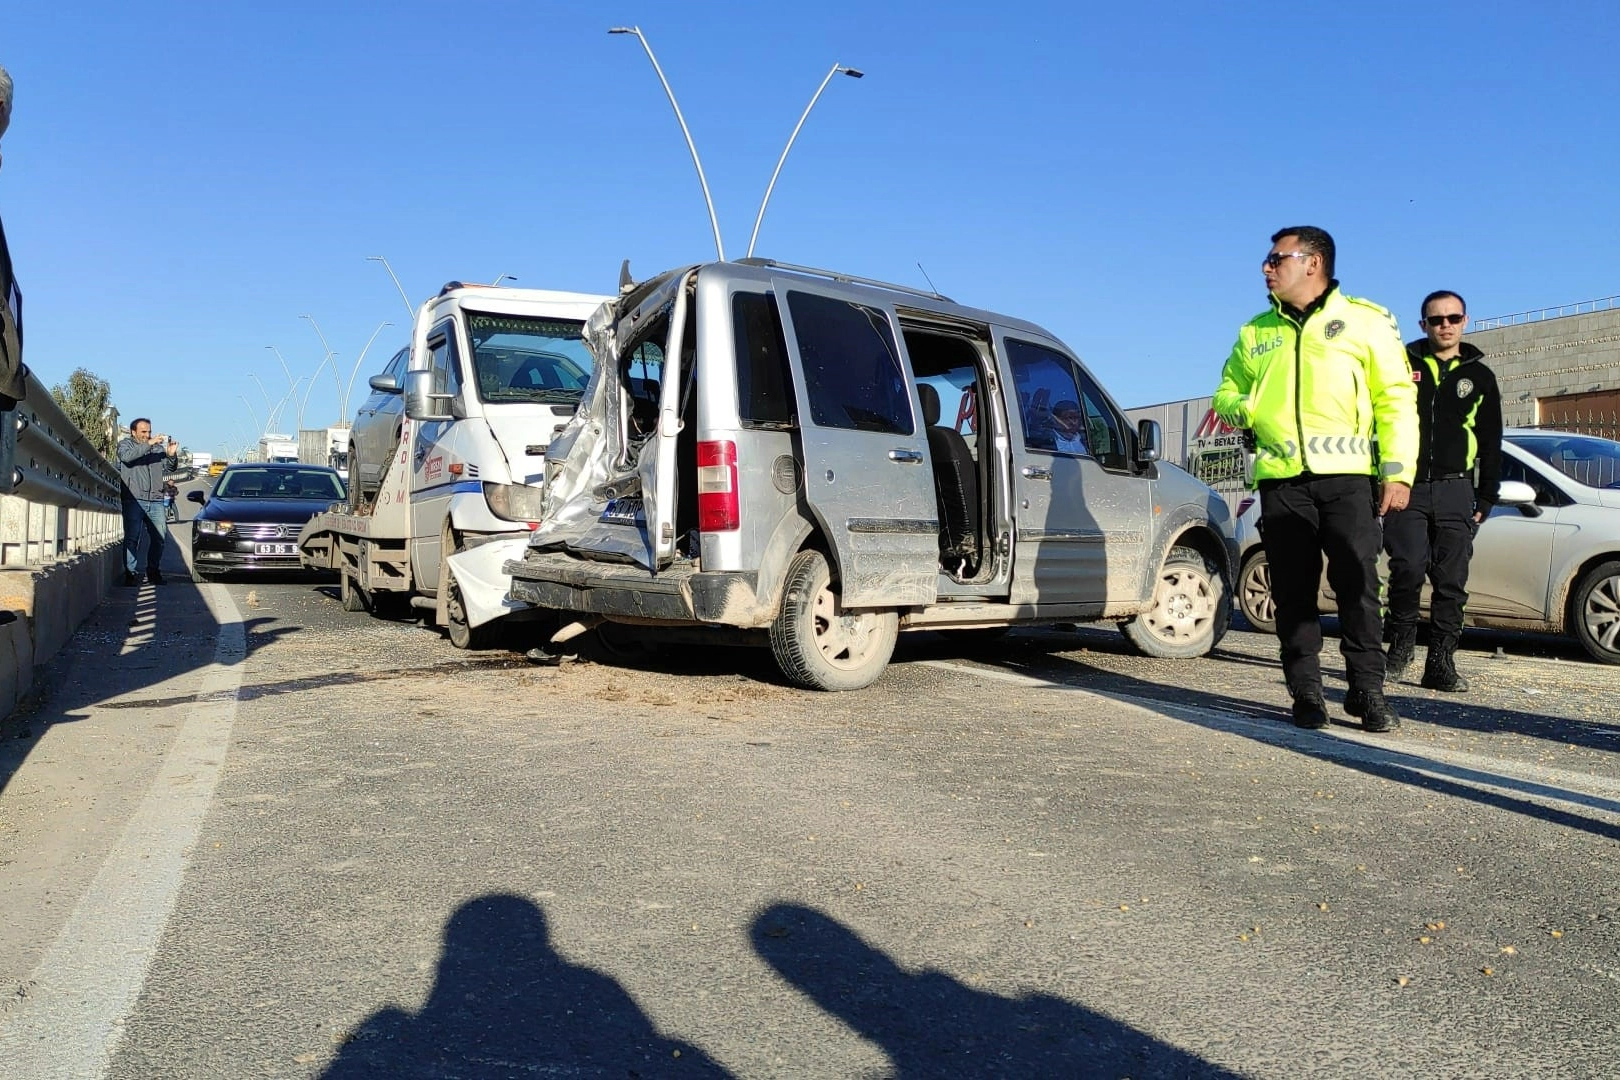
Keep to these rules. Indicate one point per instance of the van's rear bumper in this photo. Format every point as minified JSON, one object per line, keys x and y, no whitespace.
{"x":680,"y":593}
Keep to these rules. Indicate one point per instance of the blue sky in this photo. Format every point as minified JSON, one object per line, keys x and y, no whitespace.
{"x":182,"y":181}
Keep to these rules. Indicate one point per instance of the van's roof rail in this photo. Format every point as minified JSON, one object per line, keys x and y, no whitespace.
{"x":849,"y":278}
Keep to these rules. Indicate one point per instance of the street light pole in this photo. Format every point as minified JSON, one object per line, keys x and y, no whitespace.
{"x":251,"y":414}
{"x":836,"y":69}
{"x":409,"y":311}
{"x":502,"y":278}
{"x":263,"y":393}
{"x":337,"y":379}
{"x":362,"y":359}
{"x":285,"y":370}
{"x":714,"y":222}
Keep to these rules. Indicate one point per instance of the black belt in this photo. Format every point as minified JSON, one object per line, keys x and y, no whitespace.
{"x":1453,"y":476}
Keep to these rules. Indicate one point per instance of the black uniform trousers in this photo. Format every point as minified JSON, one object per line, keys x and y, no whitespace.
{"x":1302,"y":519}
{"x":1433,"y":537}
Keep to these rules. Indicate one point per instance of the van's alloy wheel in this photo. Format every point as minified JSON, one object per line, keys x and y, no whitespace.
{"x":1191,"y":608}
{"x":1254,"y":594}
{"x":819,"y":645}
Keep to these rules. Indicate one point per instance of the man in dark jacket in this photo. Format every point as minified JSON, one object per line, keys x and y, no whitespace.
{"x":1459,"y":467}
{"x":143,"y":463}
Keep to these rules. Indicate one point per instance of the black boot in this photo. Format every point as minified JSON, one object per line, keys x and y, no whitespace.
{"x":1440,"y":671}
{"x":1402,"y":643}
{"x":1376,"y":713}
{"x":1309,"y":710}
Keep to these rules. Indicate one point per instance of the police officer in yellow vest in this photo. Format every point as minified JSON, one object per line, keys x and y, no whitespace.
{"x":1321,"y":380}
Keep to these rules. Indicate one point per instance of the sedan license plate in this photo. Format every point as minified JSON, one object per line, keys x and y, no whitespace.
{"x":275,"y":549}
{"x":624,"y":511}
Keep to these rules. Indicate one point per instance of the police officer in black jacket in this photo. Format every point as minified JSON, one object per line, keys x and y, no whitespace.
{"x":1459,"y":468}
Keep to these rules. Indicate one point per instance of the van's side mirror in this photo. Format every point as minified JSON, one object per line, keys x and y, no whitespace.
{"x":425,"y":398}
{"x":1520,"y":494}
{"x":1147,"y":441}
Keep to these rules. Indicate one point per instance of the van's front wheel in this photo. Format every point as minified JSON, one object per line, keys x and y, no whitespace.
{"x":820,"y":646}
{"x":1192,"y":607}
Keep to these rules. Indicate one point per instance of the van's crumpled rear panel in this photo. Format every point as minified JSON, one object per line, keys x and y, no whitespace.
{"x":583,"y":467}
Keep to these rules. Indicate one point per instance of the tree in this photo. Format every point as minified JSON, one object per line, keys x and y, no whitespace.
{"x":87,"y":400}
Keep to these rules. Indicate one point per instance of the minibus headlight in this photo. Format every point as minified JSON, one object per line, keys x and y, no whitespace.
{"x":513,"y":502}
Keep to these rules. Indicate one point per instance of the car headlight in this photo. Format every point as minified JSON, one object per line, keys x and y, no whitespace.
{"x":514,"y":502}
{"x":219,"y":528}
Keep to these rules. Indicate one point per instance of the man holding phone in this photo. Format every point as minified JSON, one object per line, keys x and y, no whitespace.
{"x":144,"y":461}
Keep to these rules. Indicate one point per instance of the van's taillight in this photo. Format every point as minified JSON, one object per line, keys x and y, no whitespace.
{"x":717,"y":486}
{"x":1243,"y":504}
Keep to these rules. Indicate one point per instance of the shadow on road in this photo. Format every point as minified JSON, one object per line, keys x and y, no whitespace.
{"x":506,"y":1004}
{"x":931,"y":1025}
{"x":1385,"y":758}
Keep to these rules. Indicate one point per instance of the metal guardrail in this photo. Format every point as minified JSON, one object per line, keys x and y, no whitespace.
{"x":1582,"y":307}
{"x":61,"y":494}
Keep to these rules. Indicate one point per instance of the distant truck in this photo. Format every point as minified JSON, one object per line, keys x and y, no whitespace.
{"x":325,"y":446}
{"x":278,"y":448}
{"x":463,"y":417}
{"x":200,"y":462}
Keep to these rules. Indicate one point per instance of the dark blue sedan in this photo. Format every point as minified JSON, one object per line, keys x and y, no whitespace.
{"x":252,"y":518}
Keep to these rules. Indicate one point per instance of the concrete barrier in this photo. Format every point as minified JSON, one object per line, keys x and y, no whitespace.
{"x":45,"y":605}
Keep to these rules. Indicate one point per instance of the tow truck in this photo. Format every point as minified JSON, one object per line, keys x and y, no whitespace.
{"x":492,"y":375}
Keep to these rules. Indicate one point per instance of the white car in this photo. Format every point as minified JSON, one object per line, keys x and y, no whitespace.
{"x":1547,"y":558}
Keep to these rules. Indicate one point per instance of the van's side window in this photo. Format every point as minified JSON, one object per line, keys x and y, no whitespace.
{"x":852,"y":369}
{"x":1048,"y":399}
{"x":764,"y":385}
{"x":1105,"y":429}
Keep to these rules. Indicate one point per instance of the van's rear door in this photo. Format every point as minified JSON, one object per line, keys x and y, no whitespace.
{"x":867,"y":476}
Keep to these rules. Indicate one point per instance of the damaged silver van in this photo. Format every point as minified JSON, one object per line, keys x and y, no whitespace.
{"x":830,"y":460}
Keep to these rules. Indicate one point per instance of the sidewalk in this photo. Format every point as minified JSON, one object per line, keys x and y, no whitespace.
{"x":78,"y":761}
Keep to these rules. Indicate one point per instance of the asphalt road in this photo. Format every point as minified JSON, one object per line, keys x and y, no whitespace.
{"x":250,"y":835}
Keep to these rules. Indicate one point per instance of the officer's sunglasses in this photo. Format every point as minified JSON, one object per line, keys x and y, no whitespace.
{"x":1444,"y":320}
{"x":1276,"y":258}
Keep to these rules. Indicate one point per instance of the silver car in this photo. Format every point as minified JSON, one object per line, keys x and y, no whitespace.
{"x":1547,"y":559}
{"x":375,"y":431}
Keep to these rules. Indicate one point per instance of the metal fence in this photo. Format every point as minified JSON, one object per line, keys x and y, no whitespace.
{"x":63,"y":495}
{"x":1591,"y":422}
{"x":1580,"y":307}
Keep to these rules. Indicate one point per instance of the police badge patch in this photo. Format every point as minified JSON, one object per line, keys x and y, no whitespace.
{"x":1333,"y":329}
{"x":1465,"y":387}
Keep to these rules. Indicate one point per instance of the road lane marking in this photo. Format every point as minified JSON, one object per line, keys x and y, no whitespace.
{"x":1543,"y":783}
{"x":79,"y":995}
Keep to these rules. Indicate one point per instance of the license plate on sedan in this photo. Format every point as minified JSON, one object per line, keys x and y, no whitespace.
{"x":624,"y":511}
{"x":275,"y":549}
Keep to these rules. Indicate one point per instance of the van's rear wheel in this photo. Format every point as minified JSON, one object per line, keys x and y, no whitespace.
{"x":820,"y":646}
{"x":1191,"y":608}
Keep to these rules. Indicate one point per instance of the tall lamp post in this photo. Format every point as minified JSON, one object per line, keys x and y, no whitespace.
{"x":403,"y":298}
{"x":360,"y":360}
{"x":837,"y":69}
{"x":251,"y":414}
{"x":714,"y":222}
{"x":292,"y":383}
{"x":337,"y":379}
{"x":265,"y":394}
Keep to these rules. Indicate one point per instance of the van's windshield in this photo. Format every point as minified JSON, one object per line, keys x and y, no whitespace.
{"x":519,"y":359}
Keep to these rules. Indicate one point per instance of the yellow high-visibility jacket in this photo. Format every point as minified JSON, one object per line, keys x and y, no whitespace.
{"x":1326,"y":391}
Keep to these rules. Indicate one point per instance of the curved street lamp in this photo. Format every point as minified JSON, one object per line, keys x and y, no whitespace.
{"x":714,"y":222}
{"x":409,"y":311}
{"x":360,"y":360}
{"x":836,"y":69}
{"x":292,"y":384}
{"x":337,"y":379}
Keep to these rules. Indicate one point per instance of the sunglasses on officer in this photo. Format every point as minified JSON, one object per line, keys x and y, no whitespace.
{"x":1444,"y":320}
{"x":1276,"y":258}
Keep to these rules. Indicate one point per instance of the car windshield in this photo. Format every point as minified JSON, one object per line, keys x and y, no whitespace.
{"x":1585,"y":459}
{"x":314,"y":484}
{"x":518,"y":359}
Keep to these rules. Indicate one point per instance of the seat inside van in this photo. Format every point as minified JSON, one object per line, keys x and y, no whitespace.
{"x":947,"y":364}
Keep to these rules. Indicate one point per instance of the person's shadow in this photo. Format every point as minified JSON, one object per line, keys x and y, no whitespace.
{"x":930,"y":1025}
{"x":505,"y":1004}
